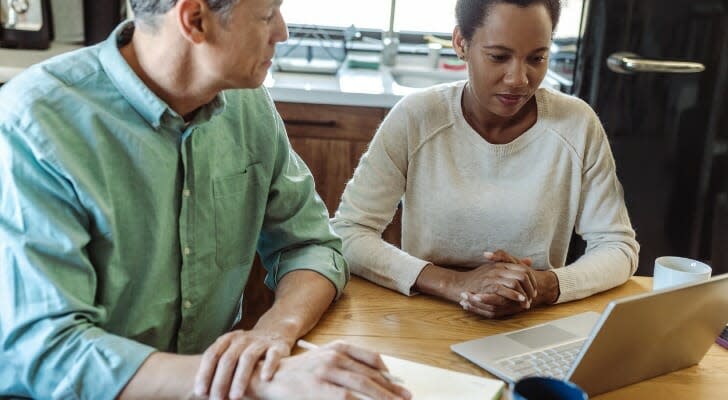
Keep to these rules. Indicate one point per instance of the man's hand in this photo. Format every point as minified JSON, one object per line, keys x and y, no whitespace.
{"x":335,"y":371}
{"x":228,"y":364}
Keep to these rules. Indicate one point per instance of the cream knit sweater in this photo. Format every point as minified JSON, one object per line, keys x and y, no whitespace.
{"x":462,"y":196}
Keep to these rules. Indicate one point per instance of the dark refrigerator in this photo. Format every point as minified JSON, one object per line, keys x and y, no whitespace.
{"x":655,"y":71}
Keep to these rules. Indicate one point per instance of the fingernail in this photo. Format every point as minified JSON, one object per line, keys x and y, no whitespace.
{"x":488,"y":254}
{"x":235,"y":394}
{"x":521,"y":297}
{"x":464,"y":296}
{"x":199,"y":391}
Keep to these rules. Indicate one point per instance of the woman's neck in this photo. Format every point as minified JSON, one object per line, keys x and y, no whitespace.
{"x":494,"y":128}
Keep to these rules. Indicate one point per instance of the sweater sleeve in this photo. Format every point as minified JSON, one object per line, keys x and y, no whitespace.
{"x":369,"y":203}
{"x":602,"y":221}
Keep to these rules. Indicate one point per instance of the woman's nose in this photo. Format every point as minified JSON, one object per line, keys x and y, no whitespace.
{"x":516,"y":75}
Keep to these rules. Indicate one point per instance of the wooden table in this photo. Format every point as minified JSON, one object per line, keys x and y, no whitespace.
{"x":422,"y":328}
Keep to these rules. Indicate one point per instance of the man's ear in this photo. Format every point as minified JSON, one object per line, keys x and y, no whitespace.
{"x":190,"y":15}
{"x":459,"y":44}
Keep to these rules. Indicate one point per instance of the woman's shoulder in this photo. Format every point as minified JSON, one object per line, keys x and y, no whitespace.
{"x":565,"y":114}
{"x":434,"y":99}
{"x":571,"y":120}
{"x":564,"y":106}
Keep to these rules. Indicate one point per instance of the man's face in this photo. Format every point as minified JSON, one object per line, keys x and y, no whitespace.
{"x":241,"y":48}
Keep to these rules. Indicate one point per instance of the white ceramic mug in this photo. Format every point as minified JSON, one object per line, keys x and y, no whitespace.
{"x":673,"y":271}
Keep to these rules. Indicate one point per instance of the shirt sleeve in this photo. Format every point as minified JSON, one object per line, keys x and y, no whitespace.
{"x":369,"y":203}
{"x":50,"y":326}
{"x":602,"y":221}
{"x":296,"y":233}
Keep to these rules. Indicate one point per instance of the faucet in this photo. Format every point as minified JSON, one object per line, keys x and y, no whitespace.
{"x":390,"y":41}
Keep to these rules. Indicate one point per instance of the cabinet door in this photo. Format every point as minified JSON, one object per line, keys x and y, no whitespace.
{"x":330,"y":140}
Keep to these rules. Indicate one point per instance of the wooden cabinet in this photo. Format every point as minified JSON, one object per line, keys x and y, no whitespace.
{"x":330,"y":139}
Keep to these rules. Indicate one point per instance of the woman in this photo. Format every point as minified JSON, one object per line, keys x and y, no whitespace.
{"x":494,"y":162}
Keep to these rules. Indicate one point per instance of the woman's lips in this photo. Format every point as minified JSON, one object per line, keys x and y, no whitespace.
{"x":510,"y":99}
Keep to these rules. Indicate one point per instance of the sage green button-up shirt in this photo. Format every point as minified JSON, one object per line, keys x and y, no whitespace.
{"x":123,"y":230}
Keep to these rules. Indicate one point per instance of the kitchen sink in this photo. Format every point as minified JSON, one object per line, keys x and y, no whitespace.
{"x":421,"y":77}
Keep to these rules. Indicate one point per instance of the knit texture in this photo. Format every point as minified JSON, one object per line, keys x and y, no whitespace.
{"x":462,"y":196}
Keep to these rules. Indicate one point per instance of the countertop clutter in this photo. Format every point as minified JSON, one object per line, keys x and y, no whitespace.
{"x":360,"y":81}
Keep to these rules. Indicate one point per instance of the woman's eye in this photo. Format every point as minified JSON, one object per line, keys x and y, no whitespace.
{"x":498,"y":57}
{"x":538,"y":59}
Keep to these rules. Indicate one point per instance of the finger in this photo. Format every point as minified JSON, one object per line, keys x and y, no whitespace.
{"x":488,"y":301}
{"x":494,"y":302}
{"x":490,"y":311}
{"x":506,"y":292}
{"x":363,"y":384}
{"x":530,"y":273}
{"x":511,"y":280}
{"x":467,"y":306}
{"x":208,"y":366}
{"x":244,"y":368}
{"x":373,"y":359}
{"x":524,"y":276}
{"x":272,"y":359}
{"x":528,"y":261}
{"x":506,"y":257}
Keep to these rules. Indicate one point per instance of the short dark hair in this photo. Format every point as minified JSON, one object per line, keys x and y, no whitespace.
{"x":146,"y":11}
{"x":470,"y":14}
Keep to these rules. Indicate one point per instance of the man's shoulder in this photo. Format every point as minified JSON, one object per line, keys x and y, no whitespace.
{"x":48,"y":82}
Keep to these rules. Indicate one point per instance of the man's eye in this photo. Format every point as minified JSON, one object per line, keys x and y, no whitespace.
{"x":498,"y":57}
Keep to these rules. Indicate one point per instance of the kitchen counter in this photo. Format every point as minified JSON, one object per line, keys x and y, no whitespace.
{"x":363,"y":87}
{"x":350,"y":86}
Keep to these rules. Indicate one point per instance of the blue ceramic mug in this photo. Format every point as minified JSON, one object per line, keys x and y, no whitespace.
{"x":543,"y":388}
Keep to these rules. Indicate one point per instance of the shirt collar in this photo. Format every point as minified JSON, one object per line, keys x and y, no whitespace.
{"x":141,"y":98}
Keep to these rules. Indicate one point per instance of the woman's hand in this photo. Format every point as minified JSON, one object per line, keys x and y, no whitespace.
{"x":497,"y":289}
{"x":546,"y":290}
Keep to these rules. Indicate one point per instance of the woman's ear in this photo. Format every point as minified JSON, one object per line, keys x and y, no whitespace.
{"x":459,"y":44}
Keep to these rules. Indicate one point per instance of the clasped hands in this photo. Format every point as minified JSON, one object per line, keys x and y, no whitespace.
{"x":229,"y":366}
{"x":505,"y":285}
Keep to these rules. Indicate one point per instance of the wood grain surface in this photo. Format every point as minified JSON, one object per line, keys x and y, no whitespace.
{"x":422,"y":328}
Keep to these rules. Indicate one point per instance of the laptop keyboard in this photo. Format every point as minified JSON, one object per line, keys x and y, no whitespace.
{"x":554,"y":362}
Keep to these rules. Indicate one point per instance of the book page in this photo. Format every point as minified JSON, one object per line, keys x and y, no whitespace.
{"x":426,"y":382}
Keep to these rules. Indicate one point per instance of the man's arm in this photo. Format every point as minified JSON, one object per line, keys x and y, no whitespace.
{"x":50,"y":320}
{"x":333,"y":371}
{"x":227,"y":365}
{"x":302,"y":257}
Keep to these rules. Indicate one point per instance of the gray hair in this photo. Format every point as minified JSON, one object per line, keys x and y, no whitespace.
{"x":147,"y":11}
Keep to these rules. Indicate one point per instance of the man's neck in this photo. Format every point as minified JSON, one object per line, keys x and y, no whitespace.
{"x":168,"y":68}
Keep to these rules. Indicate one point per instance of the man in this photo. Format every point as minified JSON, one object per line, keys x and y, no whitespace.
{"x":133,"y":195}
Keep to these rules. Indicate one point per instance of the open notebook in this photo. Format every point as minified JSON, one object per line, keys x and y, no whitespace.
{"x":426,"y":382}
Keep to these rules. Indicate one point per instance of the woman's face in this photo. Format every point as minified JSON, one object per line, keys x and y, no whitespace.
{"x":507,"y":57}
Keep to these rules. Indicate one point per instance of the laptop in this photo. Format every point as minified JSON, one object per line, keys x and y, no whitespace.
{"x":635,"y":338}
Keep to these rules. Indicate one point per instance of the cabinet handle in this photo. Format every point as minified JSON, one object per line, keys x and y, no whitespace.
{"x":326,"y":123}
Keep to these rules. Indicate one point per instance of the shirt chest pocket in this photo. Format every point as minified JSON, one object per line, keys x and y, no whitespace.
{"x":240,"y":201}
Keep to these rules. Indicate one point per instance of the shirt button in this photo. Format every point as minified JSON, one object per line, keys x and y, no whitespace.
{"x":187,"y":304}
{"x":186,"y":193}
{"x":187,"y":251}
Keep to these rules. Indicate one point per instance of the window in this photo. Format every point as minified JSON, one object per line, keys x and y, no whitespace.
{"x":410,"y":15}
